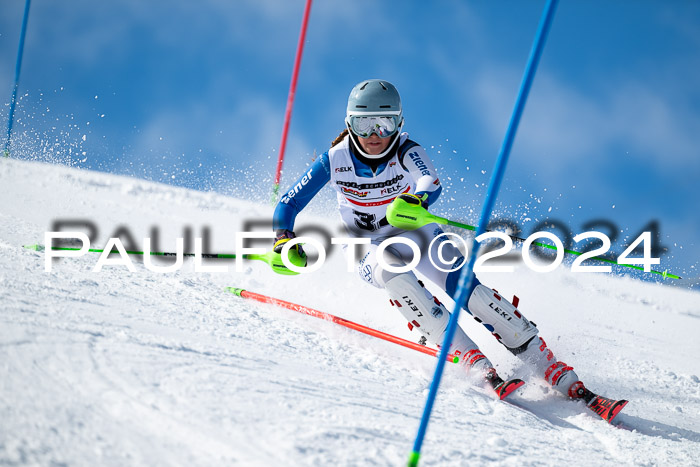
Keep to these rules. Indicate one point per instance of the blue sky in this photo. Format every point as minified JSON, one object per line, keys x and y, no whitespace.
{"x":194,"y":94}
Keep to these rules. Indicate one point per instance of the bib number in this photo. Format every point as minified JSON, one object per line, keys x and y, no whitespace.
{"x":365,"y":221}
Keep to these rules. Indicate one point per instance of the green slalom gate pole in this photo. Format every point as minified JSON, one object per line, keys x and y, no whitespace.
{"x":411,"y":216}
{"x":272,"y":259}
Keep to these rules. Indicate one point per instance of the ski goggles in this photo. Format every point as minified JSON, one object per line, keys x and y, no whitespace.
{"x":383,"y":126}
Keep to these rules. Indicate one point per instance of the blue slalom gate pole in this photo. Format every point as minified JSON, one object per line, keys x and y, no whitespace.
{"x":18,"y":67}
{"x":466,"y":279}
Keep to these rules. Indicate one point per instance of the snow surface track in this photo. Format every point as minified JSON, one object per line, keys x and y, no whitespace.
{"x":120,"y":368}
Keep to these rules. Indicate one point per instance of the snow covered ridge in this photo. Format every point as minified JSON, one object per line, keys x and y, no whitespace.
{"x":167,"y":369}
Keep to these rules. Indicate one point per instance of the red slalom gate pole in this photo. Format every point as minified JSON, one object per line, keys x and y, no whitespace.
{"x":290,"y":99}
{"x":337,"y":320}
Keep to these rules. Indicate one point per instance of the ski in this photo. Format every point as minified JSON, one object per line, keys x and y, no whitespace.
{"x":505,"y":388}
{"x":605,"y":408}
{"x":502,"y":388}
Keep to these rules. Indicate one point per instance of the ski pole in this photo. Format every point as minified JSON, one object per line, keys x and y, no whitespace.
{"x":337,"y":320}
{"x":18,"y":67}
{"x":272,"y":259}
{"x":406,"y":214}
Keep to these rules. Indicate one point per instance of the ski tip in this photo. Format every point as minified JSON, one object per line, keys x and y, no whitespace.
{"x":509,"y":387}
{"x":616,"y":409}
{"x":35,"y":247}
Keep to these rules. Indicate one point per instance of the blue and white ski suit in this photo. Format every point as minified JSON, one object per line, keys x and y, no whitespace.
{"x":363,"y":195}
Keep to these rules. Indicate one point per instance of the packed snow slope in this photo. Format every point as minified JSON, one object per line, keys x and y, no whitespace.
{"x":142,"y":368}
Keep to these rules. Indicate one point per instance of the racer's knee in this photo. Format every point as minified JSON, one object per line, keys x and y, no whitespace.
{"x":452,"y":281}
{"x":372,"y":272}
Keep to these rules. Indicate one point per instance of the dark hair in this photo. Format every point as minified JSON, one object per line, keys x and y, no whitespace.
{"x":340,"y":137}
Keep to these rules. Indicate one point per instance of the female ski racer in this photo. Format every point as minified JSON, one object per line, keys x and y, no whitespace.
{"x":371,"y":163}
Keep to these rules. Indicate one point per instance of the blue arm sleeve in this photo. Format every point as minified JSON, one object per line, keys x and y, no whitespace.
{"x":432,"y":195}
{"x":299,"y":195}
{"x":416,"y":161}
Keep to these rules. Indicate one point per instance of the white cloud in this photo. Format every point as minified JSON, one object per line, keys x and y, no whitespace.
{"x":574,"y":124}
{"x":85,"y":32}
{"x":247,"y":132}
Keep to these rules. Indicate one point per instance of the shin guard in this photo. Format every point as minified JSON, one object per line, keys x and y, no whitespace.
{"x":500,"y":317}
{"x":519,"y":335}
{"x":426,"y":314}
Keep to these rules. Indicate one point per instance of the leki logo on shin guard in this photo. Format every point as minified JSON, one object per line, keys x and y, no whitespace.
{"x":409,"y":303}
{"x":500,"y":311}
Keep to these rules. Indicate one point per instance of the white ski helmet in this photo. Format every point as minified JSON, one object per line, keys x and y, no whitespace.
{"x":374,"y":106}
